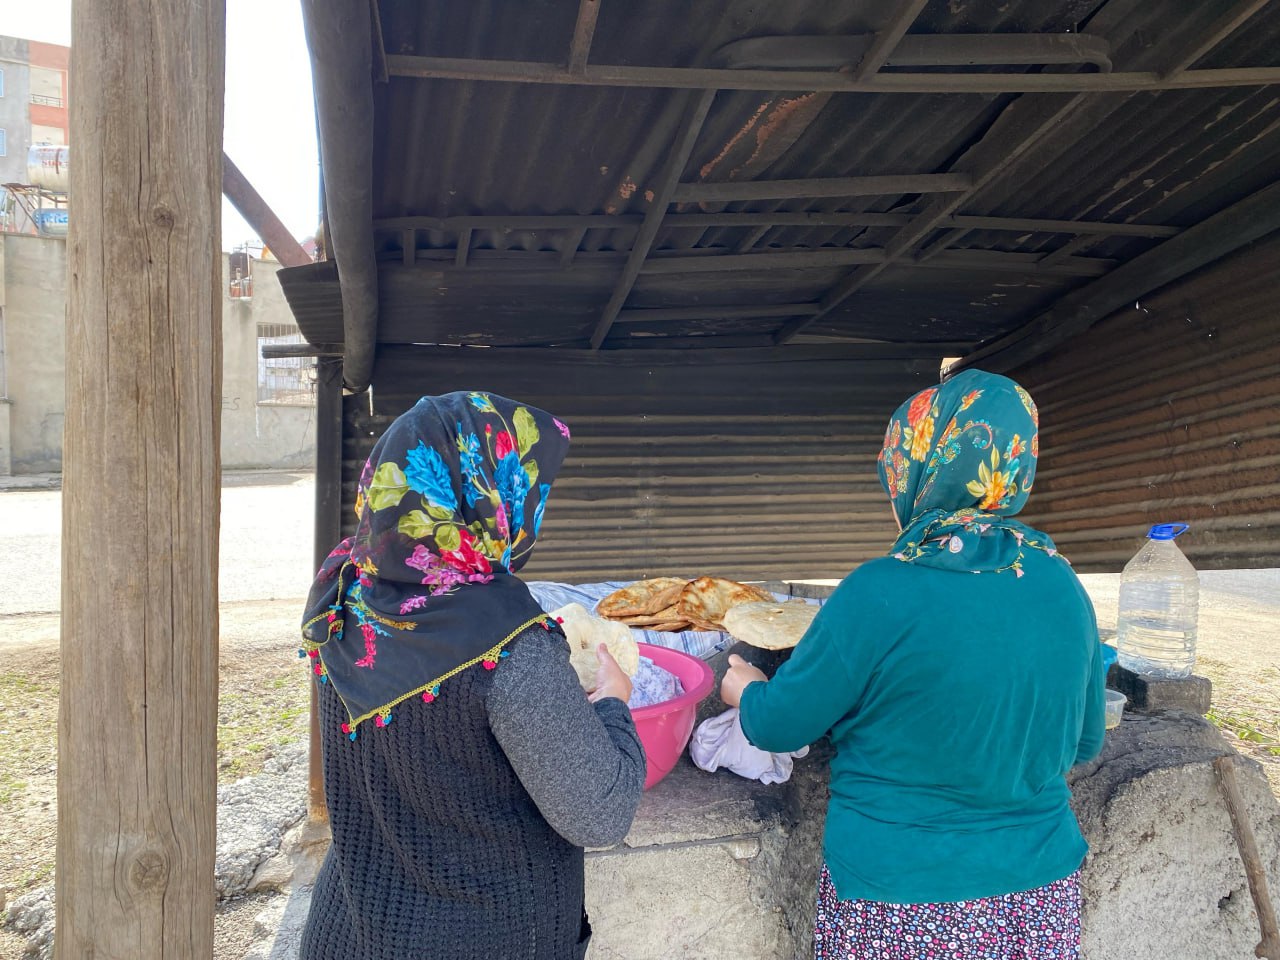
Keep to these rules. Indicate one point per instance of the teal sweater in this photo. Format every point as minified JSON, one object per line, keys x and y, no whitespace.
{"x":956,"y":703}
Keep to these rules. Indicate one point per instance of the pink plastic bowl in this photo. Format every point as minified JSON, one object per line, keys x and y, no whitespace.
{"x":665,"y":728}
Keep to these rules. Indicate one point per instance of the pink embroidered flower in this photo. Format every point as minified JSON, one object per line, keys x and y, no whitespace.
{"x":370,"y":646}
{"x":421,"y":559}
{"x":503,"y":444}
{"x":564,"y":431}
{"x":504,"y":525}
{"x":439,"y":575}
{"x":413,"y":603}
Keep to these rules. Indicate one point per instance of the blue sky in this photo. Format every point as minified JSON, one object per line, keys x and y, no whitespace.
{"x":269,"y":129}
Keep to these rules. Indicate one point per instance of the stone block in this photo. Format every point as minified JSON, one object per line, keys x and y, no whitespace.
{"x":1152,"y":694}
{"x":1163,"y":877}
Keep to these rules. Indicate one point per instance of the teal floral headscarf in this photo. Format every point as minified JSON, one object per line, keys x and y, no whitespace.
{"x":958,"y":463}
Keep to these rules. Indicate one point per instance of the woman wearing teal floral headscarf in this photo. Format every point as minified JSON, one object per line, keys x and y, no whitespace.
{"x":959,"y":678}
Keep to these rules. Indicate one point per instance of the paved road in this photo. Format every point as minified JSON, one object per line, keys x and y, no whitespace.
{"x":266,"y":542}
{"x":266,"y":549}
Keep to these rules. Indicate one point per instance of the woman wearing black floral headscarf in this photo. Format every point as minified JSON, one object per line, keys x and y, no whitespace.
{"x":458,"y":828}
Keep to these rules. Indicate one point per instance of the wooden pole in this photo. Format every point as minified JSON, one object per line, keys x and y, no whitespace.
{"x":137,"y":723}
{"x":328,"y":531}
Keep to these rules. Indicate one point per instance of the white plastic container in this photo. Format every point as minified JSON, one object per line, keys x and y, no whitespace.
{"x":1115,"y":708}
{"x":1159,"y":608}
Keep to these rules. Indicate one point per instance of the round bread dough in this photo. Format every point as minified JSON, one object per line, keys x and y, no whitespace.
{"x":770,"y":626}
{"x":585,"y":633}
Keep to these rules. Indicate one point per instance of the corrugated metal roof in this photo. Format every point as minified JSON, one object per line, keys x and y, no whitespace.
{"x":1167,"y":412}
{"x":451,"y":148}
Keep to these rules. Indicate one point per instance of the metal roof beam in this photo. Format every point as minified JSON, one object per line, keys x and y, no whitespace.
{"x":1068,"y":250}
{"x":729,"y":311}
{"x":918,"y":50}
{"x":631,"y":221}
{"x":259,"y":215}
{"x":584,"y":30}
{"x":696,"y":111}
{"x":1214,"y":238}
{"x":807,"y":81}
{"x":1018,"y":129}
{"x":887,"y":39}
{"x":823,"y":188}
{"x":1227,"y":23}
{"x":981,"y":260}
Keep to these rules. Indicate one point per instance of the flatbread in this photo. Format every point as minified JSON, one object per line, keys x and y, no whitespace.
{"x":770,"y":626}
{"x":585,"y":633}
{"x":642,"y":598}
{"x":705,"y":601}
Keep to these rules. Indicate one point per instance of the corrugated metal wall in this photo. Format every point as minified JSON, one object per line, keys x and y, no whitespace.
{"x":736,"y":465}
{"x":1168,"y":411}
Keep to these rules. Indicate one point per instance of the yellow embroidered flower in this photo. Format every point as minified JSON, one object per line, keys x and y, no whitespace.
{"x":993,"y":485}
{"x":922,"y":439}
{"x":359,"y":502}
{"x":1035,"y":446}
{"x":969,"y":399}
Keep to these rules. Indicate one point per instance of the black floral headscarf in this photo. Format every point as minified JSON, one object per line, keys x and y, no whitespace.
{"x":450,"y":503}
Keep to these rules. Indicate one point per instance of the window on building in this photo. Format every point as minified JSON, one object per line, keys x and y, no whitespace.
{"x":46,"y":87}
{"x":1,"y":81}
{"x":284,"y":381}
{"x":4,"y":145}
{"x":42,"y":133}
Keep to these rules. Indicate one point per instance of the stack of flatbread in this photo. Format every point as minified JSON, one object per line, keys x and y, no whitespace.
{"x":671,"y":604}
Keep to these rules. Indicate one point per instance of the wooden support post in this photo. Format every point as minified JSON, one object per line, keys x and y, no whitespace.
{"x":328,"y":531}
{"x":137,"y":723}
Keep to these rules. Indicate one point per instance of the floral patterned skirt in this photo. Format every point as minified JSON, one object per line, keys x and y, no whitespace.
{"x":1040,"y":924}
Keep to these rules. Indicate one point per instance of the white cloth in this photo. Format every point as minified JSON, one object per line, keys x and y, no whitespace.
{"x":719,"y":742}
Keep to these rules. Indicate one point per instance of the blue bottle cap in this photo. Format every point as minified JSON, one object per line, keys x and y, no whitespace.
{"x":1167,"y":531}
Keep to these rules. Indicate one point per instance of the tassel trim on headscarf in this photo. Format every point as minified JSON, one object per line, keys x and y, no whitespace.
{"x":429,"y":691}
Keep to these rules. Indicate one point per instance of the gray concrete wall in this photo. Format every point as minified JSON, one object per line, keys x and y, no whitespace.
{"x":35,"y":281}
{"x":15,"y":109}
{"x":33,"y":300}
{"x":258,"y":434}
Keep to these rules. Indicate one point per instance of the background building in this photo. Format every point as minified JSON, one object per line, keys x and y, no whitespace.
{"x":34,"y":92}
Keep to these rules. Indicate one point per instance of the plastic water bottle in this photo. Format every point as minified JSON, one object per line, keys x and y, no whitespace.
{"x":1159,"y":607}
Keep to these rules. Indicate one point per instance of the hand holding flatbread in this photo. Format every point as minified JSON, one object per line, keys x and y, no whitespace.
{"x":770,"y":626}
{"x":585,"y":633}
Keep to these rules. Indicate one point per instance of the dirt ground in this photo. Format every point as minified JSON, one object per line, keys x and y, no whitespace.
{"x":263,"y":690}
